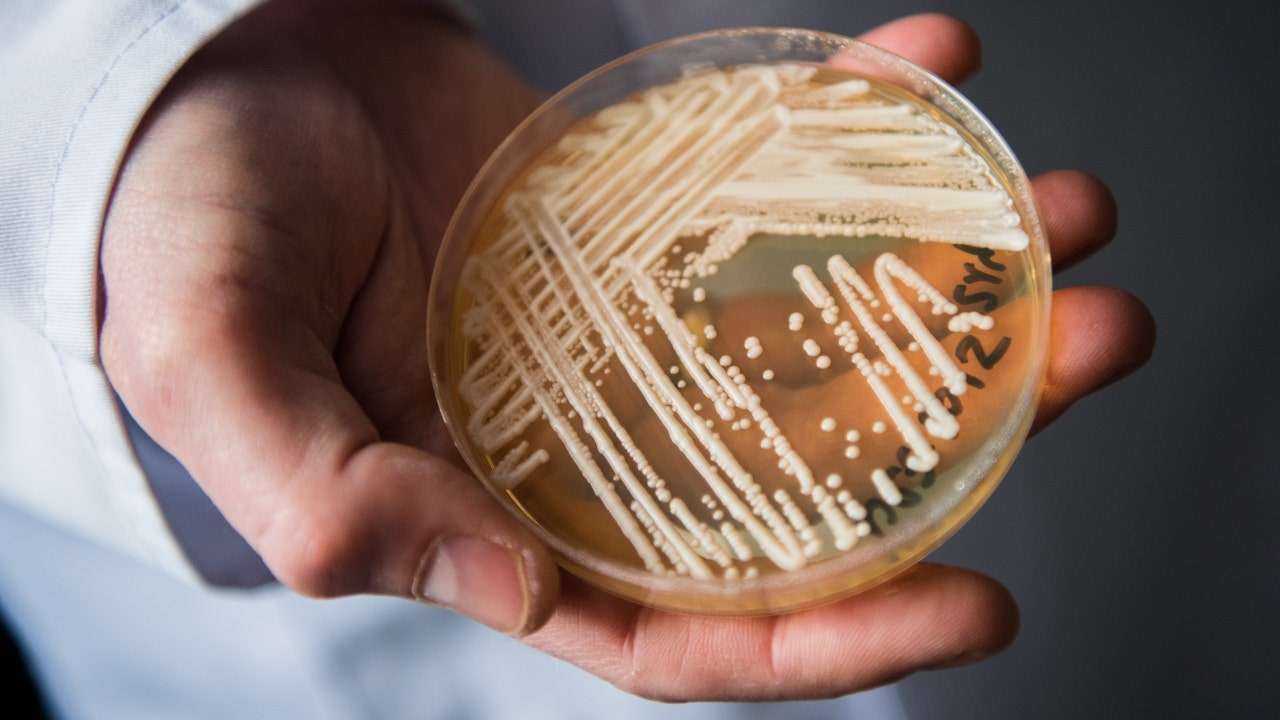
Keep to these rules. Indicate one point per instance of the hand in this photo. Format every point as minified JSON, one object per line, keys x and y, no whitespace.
{"x":266,"y":260}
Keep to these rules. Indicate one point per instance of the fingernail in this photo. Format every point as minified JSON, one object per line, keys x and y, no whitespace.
{"x":477,"y":578}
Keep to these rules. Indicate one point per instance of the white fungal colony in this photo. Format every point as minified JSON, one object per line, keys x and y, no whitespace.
{"x":578,"y":294}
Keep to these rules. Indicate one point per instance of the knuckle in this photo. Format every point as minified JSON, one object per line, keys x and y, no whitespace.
{"x":322,"y":558}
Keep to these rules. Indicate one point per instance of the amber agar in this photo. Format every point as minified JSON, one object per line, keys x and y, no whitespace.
{"x":744,"y":322}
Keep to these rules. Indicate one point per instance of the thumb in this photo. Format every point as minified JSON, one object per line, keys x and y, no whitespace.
{"x":254,"y":407}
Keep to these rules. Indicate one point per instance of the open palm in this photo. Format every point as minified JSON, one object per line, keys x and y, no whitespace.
{"x":266,"y":261}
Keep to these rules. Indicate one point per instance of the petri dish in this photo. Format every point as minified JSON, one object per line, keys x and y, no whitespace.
{"x":745,"y":321}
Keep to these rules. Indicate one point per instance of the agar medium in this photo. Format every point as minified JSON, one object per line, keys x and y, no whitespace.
{"x":744,"y":322}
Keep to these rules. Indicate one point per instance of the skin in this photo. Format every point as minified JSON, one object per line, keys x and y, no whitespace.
{"x":266,"y":259}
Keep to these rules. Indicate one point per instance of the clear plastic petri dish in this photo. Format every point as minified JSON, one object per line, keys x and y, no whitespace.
{"x":745,"y":321}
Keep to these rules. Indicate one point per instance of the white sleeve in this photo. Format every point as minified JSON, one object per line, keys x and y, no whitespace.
{"x":75,"y":78}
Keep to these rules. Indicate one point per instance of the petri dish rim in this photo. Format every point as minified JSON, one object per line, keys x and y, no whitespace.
{"x":665,"y":62}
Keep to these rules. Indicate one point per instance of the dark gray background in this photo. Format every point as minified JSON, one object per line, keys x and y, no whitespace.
{"x":1139,"y":533}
